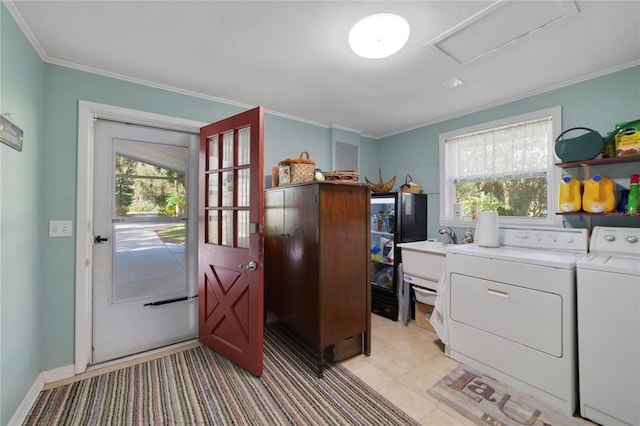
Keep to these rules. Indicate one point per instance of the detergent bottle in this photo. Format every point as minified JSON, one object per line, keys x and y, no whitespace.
{"x":570,"y":199}
{"x":599,"y":195}
{"x":632,"y":200}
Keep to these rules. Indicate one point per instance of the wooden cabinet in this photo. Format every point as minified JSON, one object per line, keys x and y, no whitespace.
{"x":317,"y":260}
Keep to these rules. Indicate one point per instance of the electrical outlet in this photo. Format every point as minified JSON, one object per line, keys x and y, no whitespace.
{"x":60,"y":228}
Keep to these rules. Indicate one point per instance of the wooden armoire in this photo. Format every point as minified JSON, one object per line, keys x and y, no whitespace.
{"x":317,"y":244}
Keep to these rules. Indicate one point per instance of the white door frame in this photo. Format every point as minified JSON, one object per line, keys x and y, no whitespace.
{"x":84,"y":210}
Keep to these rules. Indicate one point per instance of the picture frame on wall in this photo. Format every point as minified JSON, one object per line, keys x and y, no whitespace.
{"x":10,"y":134}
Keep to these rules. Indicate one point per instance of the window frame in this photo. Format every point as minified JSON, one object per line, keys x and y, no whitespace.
{"x":554,"y":173}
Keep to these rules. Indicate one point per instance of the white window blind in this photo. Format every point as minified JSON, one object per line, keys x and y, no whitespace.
{"x":513,"y":151}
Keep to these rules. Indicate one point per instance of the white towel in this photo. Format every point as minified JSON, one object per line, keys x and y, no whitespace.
{"x":404,"y":294}
{"x":439,"y":316}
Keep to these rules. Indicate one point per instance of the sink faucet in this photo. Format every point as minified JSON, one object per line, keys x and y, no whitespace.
{"x":449,"y":233}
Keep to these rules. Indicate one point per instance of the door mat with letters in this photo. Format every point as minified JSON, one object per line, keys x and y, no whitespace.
{"x":484,"y":400}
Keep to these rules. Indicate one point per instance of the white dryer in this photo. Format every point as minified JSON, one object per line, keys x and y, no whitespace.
{"x":512,"y":310}
{"x":609,"y":327}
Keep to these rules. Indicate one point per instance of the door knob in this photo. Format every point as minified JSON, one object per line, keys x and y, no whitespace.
{"x":251,"y":266}
{"x":98,"y":239}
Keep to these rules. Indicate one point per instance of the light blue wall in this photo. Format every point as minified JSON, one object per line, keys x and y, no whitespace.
{"x":598,"y":103}
{"x":39,"y":184}
{"x":64,"y":87}
{"x":21,"y":94}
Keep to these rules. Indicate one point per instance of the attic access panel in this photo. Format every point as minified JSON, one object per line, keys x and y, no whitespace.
{"x":499,"y":25}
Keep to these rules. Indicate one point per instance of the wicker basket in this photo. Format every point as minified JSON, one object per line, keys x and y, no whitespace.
{"x":410,"y":187}
{"x":300,"y":169}
{"x":381,"y":186}
{"x":342,"y":177}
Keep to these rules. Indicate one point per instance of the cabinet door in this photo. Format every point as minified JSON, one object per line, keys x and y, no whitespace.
{"x":301,"y":257}
{"x":344,"y":235}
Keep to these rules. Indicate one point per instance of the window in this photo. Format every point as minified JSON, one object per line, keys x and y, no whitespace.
{"x":505,"y":165}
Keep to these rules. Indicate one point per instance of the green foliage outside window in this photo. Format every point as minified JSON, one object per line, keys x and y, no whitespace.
{"x":509,"y":197}
{"x":144,"y":188}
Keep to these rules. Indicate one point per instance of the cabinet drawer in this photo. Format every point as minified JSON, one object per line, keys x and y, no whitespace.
{"x":347,"y":348}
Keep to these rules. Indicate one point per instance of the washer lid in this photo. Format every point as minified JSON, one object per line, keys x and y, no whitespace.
{"x":629,"y":265}
{"x":549,"y":258}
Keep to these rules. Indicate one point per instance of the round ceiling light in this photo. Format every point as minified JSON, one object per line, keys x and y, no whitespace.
{"x":379,"y":35}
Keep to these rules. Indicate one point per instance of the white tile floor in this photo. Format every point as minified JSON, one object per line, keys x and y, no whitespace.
{"x":405,"y":362}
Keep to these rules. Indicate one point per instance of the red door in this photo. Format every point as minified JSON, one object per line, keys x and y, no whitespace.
{"x":230,"y":283}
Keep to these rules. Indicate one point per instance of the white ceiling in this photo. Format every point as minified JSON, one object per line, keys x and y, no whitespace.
{"x":292,"y":57}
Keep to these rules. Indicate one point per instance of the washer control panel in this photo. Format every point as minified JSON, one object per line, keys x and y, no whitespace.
{"x":558,"y":239}
{"x":625,"y":241}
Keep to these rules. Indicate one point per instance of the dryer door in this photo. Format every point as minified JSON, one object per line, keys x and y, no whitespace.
{"x":529,"y":317}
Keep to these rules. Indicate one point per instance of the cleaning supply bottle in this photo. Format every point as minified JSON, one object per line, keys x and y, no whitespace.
{"x":599,"y":195}
{"x":632,"y":199}
{"x":570,"y":199}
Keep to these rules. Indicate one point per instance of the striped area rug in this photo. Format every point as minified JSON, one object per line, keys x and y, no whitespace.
{"x":199,"y":387}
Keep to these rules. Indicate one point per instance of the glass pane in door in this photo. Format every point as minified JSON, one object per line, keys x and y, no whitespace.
{"x":149,"y":260}
{"x":227,"y":150}
{"x":149,"y":221}
{"x":243,"y":146}
{"x":243,"y":228}
{"x":243,"y":187}
{"x":227,"y":228}
{"x":228,"y":179}
{"x":214,"y":158}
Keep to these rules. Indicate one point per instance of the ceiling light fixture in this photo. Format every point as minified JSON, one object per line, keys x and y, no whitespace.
{"x":379,"y":35}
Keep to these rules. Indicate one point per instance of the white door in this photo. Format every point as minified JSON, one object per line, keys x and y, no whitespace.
{"x":145,"y":229}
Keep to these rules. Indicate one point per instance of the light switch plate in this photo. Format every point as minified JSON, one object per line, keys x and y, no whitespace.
{"x":60,"y":228}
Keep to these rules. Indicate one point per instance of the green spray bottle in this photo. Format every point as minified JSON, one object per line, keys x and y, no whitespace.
{"x":632,"y":202}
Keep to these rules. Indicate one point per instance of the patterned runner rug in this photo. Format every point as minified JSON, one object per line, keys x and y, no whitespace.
{"x":199,"y":387}
{"x":485,"y":401}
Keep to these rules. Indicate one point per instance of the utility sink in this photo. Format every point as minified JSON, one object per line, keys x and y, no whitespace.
{"x":426,"y":246}
{"x":424,"y":259}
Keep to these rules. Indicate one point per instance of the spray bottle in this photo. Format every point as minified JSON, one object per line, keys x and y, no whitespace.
{"x":632,"y":201}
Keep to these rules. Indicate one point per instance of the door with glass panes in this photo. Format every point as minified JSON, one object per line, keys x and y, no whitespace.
{"x":231,"y":238}
{"x":145,"y":233}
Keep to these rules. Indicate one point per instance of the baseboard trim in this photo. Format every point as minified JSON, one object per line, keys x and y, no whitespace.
{"x":31,"y":397}
{"x":59,"y":373}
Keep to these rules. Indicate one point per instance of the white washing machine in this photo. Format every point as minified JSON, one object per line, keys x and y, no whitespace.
{"x":512,"y":310}
{"x":609,"y":327}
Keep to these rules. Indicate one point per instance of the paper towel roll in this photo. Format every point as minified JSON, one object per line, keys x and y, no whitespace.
{"x":487,"y":234}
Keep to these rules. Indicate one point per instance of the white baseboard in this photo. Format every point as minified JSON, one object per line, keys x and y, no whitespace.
{"x":59,"y":373}
{"x":32,"y":395}
{"x":68,"y":371}
{"x":29,"y":399}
